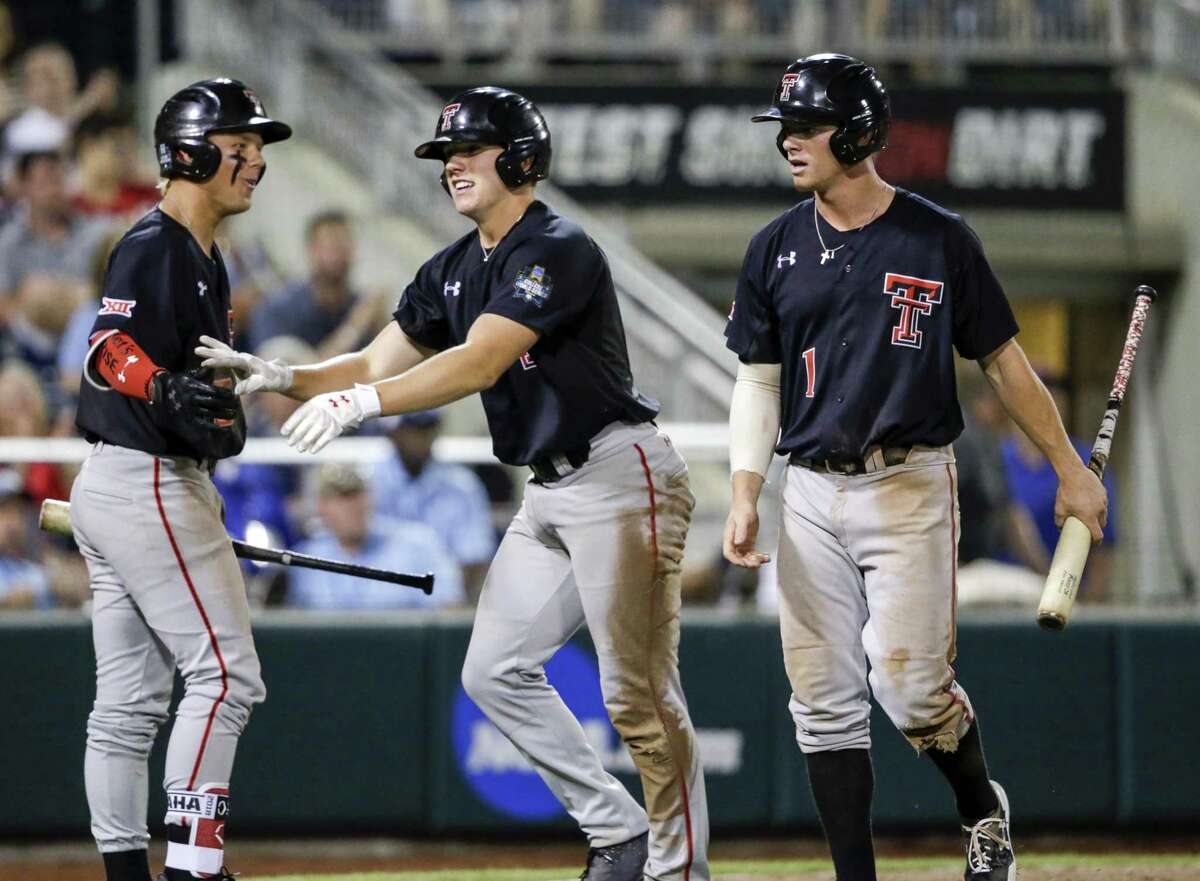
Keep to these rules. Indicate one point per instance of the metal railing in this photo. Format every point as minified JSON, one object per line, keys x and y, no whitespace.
{"x":699,"y":33}
{"x":337,"y":90}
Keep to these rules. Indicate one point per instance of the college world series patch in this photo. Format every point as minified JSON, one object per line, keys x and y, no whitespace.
{"x":533,"y":285}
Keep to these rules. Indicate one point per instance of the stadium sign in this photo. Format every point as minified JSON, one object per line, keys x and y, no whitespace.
{"x":501,"y":777}
{"x":658,"y":145}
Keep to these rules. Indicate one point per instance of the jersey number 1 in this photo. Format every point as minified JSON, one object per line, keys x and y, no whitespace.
{"x":810,"y":368}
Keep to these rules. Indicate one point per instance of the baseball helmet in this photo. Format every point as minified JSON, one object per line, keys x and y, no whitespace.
{"x":490,"y":115}
{"x":202,"y":109}
{"x":835,"y":89}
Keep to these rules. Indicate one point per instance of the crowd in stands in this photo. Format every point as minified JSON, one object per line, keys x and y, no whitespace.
{"x":480,"y":22}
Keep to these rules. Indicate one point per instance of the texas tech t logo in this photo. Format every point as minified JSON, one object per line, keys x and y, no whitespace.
{"x":448,"y":114}
{"x":785,"y":85}
{"x":914,"y":297}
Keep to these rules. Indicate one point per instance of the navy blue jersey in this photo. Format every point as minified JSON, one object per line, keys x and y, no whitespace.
{"x":549,"y":276}
{"x":165,"y":292}
{"x":866,"y":339}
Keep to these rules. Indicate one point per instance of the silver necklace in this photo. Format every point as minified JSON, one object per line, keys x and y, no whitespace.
{"x":486,"y":252}
{"x":827,"y":253}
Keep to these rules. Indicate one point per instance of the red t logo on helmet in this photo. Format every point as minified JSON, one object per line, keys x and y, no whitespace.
{"x":785,"y":86}
{"x":447,"y":112}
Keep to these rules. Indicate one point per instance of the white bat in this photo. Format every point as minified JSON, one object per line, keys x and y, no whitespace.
{"x":1075,"y":541}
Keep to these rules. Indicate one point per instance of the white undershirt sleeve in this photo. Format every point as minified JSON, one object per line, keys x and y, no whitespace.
{"x":754,"y":418}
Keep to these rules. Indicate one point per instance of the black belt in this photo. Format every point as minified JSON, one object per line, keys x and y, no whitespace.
{"x":849,"y":465}
{"x":553,"y":466}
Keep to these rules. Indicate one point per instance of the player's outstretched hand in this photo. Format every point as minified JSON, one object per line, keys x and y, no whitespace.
{"x":322,"y":418}
{"x":253,"y":373}
{"x":741,"y":532}
{"x":193,"y":400}
{"x":1082,"y":495}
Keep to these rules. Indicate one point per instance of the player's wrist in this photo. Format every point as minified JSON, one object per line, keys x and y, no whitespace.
{"x":155,"y":386}
{"x":285,"y":376}
{"x":746,"y":487}
{"x":368,"y":400}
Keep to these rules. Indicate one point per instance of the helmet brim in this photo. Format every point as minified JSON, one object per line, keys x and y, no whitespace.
{"x":436,"y":149}
{"x":796,"y":114}
{"x":270,"y":130}
{"x":771,"y":114}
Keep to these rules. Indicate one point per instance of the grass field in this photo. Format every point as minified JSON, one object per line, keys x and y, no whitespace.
{"x":1044,"y":867}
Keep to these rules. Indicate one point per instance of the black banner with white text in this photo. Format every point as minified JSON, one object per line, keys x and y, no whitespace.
{"x":658,"y":144}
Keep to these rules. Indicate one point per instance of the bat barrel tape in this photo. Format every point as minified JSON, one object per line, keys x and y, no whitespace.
{"x":1075,"y":541}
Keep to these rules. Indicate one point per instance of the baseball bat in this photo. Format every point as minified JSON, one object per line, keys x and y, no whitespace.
{"x":1075,"y":540}
{"x":55,"y":517}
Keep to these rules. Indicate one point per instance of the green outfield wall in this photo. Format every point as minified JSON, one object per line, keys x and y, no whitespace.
{"x":366,"y":729}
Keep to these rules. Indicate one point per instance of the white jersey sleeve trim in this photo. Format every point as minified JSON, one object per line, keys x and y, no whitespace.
{"x":754,"y":418}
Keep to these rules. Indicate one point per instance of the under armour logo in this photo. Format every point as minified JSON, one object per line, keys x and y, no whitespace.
{"x":131,"y":359}
{"x":451,"y":290}
{"x":201,"y":288}
{"x":790,"y":259}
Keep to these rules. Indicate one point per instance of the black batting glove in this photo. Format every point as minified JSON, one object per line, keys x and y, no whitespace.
{"x":194,"y":401}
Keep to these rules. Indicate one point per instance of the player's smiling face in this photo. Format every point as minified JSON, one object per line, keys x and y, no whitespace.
{"x":242,"y":165}
{"x":809,"y":157}
{"x":471,"y":175}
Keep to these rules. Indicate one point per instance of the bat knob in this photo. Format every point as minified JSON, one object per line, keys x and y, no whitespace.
{"x":1144,"y":290}
{"x":1051,"y":621}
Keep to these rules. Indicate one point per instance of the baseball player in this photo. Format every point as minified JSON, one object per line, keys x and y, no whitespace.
{"x":523,"y":311}
{"x":167,"y":588}
{"x":849,"y":306}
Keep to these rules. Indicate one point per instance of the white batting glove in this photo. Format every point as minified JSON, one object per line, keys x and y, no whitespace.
{"x":322,"y":418}
{"x":253,"y":373}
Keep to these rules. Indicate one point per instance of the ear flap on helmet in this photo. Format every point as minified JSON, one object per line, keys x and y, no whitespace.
{"x":510,"y":163}
{"x":192,"y":159}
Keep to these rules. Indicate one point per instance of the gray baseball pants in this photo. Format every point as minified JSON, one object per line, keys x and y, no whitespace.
{"x":602,"y":546}
{"x":867,"y":573}
{"x":168,"y":594}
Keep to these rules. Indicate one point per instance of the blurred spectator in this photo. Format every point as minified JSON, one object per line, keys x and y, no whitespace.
{"x":8,"y":47}
{"x":46,"y":235}
{"x":52,"y":103}
{"x":108,"y":185}
{"x":353,"y":535}
{"x":449,"y":498}
{"x":41,"y":308}
{"x":251,"y":275}
{"x":73,"y":344}
{"x":1033,"y":484}
{"x":322,"y":310}
{"x":1000,"y":556}
{"x":23,"y":582}
{"x":23,"y":413}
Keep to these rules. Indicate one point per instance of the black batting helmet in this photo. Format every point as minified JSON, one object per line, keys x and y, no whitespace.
{"x":202,"y":109}
{"x":490,"y":115}
{"x":836,"y":89}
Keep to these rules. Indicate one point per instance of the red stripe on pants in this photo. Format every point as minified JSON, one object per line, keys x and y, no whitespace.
{"x":212,"y":637}
{"x":687,"y":811}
